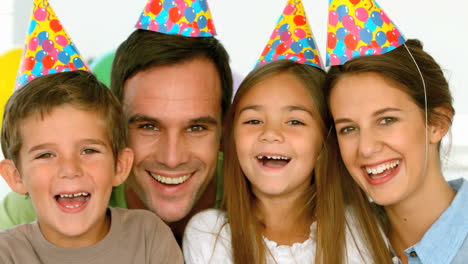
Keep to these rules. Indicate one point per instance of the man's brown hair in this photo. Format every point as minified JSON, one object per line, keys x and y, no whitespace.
{"x":144,"y":49}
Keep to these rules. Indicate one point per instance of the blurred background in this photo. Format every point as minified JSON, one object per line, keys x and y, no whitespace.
{"x":244,"y":27}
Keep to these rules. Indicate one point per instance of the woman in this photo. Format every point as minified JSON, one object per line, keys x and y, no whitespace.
{"x":390,"y":113}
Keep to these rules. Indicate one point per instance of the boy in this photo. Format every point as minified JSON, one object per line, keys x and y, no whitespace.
{"x":64,"y":139}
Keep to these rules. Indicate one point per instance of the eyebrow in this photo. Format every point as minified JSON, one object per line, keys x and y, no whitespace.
{"x":204,"y":120}
{"x":288,"y":107}
{"x":85,"y":141}
{"x":199,"y":120}
{"x":376,"y":113}
{"x":142,"y":118}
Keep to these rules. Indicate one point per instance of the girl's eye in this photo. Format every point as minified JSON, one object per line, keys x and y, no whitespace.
{"x":44,"y":155}
{"x":253,"y":122}
{"x":346,"y":130}
{"x":387,"y":120}
{"x":295,"y":122}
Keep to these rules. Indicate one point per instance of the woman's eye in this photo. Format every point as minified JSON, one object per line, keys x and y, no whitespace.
{"x":387,"y":120}
{"x":347,"y":130}
{"x":295,"y":122}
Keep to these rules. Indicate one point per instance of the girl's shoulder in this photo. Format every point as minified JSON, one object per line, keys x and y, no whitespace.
{"x":207,"y":238}
{"x":210,"y":224}
{"x":208,"y":220}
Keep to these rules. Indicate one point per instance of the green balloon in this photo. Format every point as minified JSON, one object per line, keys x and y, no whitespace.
{"x":101,"y":66}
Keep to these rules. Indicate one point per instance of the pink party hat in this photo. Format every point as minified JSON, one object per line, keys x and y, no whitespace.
{"x":292,"y":38}
{"x":190,"y":18}
{"x":357,"y":28}
{"x":48,"y":48}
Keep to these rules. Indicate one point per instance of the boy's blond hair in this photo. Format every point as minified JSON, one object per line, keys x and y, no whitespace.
{"x":79,"y":89}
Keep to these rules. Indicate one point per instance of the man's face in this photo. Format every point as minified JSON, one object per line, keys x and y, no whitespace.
{"x":175,"y":130}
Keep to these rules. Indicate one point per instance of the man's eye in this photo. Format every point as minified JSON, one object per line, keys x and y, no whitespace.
{"x":89,"y":151}
{"x":253,"y":122}
{"x":44,"y":155}
{"x":147,"y":126}
{"x":295,"y":122}
{"x":387,"y":120}
{"x":196,"y":128}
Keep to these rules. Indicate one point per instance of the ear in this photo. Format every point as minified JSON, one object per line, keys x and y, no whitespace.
{"x":123,"y":166}
{"x":442,"y":122}
{"x":12,"y":177}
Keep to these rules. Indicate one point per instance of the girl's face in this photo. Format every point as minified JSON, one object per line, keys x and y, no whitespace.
{"x":277,"y":136}
{"x":382,"y":137}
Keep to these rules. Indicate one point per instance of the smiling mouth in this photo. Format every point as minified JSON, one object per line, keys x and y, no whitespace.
{"x":72,"y":200}
{"x":273,"y":161}
{"x":170,"y":180}
{"x":381,"y":170}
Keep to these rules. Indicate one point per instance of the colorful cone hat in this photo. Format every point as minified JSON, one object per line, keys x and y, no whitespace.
{"x":357,"y":28}
{"x":190,"y":18}
{"x":292,"y":38}
{"x":48,"y":48}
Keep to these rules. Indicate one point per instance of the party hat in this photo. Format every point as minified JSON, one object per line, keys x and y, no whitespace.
{"x":357,"y":28}
{"x":292,"y":38}
{"x":48,"y":48}
{"x":190,"y":18}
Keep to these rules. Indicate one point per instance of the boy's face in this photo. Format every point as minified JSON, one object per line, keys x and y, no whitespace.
{"x":67,"y":167}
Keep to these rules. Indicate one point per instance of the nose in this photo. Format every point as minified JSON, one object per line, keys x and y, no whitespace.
{"x":271,"y":133}
{"x":369,"y":143}
{"x":70,"y":167}
{"x":172,"y":150}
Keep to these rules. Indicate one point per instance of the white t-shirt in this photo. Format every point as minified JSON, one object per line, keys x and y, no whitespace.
{"x":207,"y":239}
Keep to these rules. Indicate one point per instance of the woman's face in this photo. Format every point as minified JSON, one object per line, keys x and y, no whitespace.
{"x":382,"y":137}
{"x":277,"y":136}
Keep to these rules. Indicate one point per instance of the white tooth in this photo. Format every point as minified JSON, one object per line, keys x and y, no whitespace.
{"x":369,"y":170}
{"x":168,"y":180}
{"x":260,"y":157}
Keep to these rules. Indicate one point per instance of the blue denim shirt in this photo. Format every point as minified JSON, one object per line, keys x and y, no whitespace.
{"x":446,"y":241}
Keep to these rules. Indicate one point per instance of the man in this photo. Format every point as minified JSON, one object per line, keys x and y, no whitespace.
{"x":175,"y":91}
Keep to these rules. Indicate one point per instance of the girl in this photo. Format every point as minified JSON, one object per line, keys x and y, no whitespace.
{"x":273,"y":212}
{"x":390,"y":113}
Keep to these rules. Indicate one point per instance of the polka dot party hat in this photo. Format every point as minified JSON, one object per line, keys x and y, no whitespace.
{"x":357,"y":28}
{"x":190,"y":18}
{"x":292,"y":38}
{"x":48,"y":48}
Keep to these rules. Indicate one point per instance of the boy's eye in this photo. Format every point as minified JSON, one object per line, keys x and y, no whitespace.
{"x":196,"y":128}
{"x":253,"y":122}
{"x":44,"y":155}
{"x":295,"y":122}
{"x":387,"y":120}
{"x":89,"y":151}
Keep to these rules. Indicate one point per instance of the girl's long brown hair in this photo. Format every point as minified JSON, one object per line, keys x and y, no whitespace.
{"x":326,"y":197}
